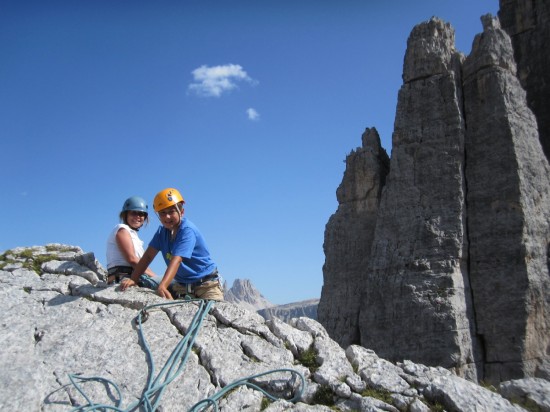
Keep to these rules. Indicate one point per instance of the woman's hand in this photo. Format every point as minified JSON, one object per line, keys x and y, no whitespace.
{"x":126,"y":283}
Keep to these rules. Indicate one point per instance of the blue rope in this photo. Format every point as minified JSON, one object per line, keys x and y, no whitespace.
{"x":213,"y":400}
{"x":171,"y":370}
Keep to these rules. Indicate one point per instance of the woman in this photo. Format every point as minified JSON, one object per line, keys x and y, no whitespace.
{"x":124,"y":247}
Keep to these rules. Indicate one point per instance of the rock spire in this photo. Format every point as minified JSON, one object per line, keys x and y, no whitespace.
{"x":456,"y":270}
{"x":526,"y":22}
{"x":349,"y":235}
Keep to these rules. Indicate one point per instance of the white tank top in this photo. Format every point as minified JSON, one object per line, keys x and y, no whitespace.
{"x":114,"y":256}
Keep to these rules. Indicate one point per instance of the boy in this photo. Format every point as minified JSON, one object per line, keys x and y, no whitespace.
{"x":190,"y":269}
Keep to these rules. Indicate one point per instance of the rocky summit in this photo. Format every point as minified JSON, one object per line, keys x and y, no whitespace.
{"x":71,"y":342}
{"x":441,"y":254}
{"x":243,"y":293}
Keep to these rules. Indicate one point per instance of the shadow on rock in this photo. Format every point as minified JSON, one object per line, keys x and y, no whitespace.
{"x":61,"y":299}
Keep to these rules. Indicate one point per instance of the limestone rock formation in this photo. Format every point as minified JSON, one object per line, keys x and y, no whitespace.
{"x":349,"y":235}
{"x":456,"y":271}
{"x":508,"y":212}
{"x":243,"y":293}
{"x":526,"y":21}
{"x":416,"y":282}
{"x":58,"y":318}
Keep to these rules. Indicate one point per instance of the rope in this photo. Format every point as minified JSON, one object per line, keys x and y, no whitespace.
{"x":213,"y":400}
{"x":172,"y":368}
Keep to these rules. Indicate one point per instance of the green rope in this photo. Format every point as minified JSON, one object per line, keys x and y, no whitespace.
{"x":172,"y":368}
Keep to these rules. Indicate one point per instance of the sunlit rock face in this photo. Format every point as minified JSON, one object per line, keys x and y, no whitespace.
{"x":58,"y":319}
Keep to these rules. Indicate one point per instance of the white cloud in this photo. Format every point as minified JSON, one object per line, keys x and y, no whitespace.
{"x":252,"y":114}
{"x":215,"y":80}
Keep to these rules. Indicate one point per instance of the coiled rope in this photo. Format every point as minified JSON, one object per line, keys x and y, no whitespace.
{"x":172,"y":368}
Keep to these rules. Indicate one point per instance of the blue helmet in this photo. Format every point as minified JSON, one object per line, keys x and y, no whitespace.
{"x":135,"y":203}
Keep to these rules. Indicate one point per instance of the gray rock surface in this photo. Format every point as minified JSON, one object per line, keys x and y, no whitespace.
{"x":53,"y":324}
{"x":508,"y":213}
{"x":349,"y":235}
{"x":531,"y":392}
{"x":416,"y":279}
{"x":526,"y":21}
{"x":451,"y":266}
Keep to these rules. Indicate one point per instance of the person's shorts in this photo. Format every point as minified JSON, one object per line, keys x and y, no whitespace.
{"x":209,"y":290}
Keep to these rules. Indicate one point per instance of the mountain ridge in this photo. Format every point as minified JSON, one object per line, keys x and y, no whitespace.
{"x":245,"y":294}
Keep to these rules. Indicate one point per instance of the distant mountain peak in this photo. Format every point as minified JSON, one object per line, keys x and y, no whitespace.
{"x":243,"y":293}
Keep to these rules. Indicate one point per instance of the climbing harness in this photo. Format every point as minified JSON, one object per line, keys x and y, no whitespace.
{"x":172,"y":368}
{"x":182,"y":290}
{"x":117,"y":273}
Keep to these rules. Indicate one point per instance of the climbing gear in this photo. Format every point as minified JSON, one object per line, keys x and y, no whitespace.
{"x":117,"y":273}
{"x":146,"y":281}
{"x":166,"y":198}
{"x":151,"y":396}
{"x":135,"y":203}
{"x":112,"y":279}
{"x":180,"y":290}
{"x":144,"y":316}
{"x":213,"y":400}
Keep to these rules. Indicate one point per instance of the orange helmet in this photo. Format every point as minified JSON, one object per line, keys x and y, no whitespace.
{"x":166,"y":198}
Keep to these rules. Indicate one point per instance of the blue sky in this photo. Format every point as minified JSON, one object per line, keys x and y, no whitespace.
{"x":249,"y":108}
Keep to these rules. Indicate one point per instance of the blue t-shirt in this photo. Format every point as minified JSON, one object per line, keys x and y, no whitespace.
{"x":189,"y":244}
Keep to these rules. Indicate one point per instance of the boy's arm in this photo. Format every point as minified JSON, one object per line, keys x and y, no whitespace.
{"x":169,"y":275}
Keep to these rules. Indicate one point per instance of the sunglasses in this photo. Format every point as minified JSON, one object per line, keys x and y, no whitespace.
{"x":136,"y":213}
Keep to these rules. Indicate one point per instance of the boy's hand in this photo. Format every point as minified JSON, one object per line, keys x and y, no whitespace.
{"x":163,"y":292}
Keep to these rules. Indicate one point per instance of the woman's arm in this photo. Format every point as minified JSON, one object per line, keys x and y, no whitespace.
{"x":126,"y":247}
{"x":140,"y":268}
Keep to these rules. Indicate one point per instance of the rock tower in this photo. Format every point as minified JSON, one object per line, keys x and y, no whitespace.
{"x":447,"y":263}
